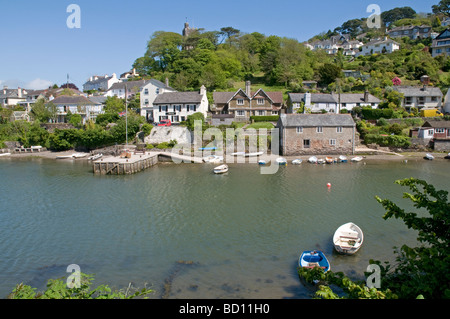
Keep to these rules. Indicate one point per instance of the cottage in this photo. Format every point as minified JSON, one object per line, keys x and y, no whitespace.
{"x":244,"y":104}
{"x":420,"y":97}
{"x":378,"y":46}
{"x":434,"y":133}
{"x":306,"y":134}
{"x":177,"y":106}
{"x":411,"y":31}
{"x":347,"y":101}
{"x":11,"y":97}
{"x":89,"y":110}
{"x":314,"y":102}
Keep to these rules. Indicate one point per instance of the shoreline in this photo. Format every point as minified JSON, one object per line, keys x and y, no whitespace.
{"x":366,"y":153}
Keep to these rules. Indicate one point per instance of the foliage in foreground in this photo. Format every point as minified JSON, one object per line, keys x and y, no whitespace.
{"x":420,"y":272}
{"x":58,"y":289}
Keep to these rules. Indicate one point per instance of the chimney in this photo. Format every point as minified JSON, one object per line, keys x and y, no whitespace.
{"x":19,"y":92}
{"x":308,"y":99}
{"x":248,"y":85}
{"x":202,"y":90}
{"x":167,"y":82}
{"x":366,"y":96}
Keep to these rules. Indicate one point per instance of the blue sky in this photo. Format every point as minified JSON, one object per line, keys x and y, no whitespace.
{"x":39,"y":49}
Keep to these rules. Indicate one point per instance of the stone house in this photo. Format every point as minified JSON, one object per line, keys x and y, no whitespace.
{"x":244,"y":103}
{"x":314,"y":134}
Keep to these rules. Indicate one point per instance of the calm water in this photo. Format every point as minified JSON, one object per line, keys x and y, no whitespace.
{"x":239,"y":235}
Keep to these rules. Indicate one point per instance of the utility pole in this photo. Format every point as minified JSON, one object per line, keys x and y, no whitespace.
{"x":126,"y":113}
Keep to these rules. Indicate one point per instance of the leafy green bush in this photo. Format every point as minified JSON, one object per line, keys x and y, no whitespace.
{"x":375,"y":114}
{"x":388,"y":140}
{"x":271,"y":118}
{"x":163,"y":146}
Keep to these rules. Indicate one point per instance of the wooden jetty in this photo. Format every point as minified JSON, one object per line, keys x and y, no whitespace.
{"x":134,"y":163}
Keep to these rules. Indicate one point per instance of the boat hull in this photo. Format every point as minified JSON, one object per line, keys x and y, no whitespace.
{"x":314,"y":258}
{"x":348,"y":239}
{"x":221,"y":169}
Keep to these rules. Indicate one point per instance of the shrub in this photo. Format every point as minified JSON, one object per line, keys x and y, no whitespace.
{"x":163,"y":146}
{"x":388,"y":140}
{"x":375,"y":114}
{"x":272,"y":118}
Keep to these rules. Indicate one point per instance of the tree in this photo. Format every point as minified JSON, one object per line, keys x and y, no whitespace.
{"x":163,"y":50}
{"x":69,"y":86}
{"x":228,"y":32}
{"x":329,"y":73}
{"x":390,"y":16}
{"x":442,"y":7}
{"x":114,"y":105}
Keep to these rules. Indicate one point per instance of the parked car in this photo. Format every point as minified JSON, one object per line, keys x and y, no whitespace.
{"x":165,"y":123}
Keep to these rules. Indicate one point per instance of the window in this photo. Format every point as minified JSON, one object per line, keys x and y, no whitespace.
{"x":146,"y":91}
{"x":306,"y":143}
{"x":260,"y":101}
{"x":319,"y":129}
{"x":434,"y":99}
{"x":240,"y":113}
{"x":421,"y":100}
{"x":261,"y":113}
{"x":240,"y":102}
{"x":339,"y":129}
{"x":146,"y":102}
{"x":439,"y":130}
{"x":408,"y":100}
{"x":274,"y":112}
{"x":299,"y":129}
{"x":178,"y":108}
{"x":333,"y":142}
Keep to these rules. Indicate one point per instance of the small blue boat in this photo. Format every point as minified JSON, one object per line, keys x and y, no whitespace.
{"x":312,"y":259}
{"x":207,"y":149}
{"x":262,"y":162}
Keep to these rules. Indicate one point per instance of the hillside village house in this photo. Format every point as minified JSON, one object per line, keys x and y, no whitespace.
{"x":149,"y":91}
{"x":378,"y":46}
{"x":332,"y":103}
{"x":441,"y":44}
{"x":244,"y":104}
{"x":132,"y":88}
{"x":435,"y":134}
{"x":411,"y":31}
{"x":100,"y":83}
{"x":89,"y":110}
{"x":420,"y":97}
{"x":307,"y":134}
{"x":177,"y":106}
{"x":11,"y":97}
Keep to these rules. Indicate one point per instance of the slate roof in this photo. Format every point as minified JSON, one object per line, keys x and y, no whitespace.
{"x":224,"y":97}
{"x":315,"y":98}
{"x":313,"y":120}
{"x":437,"y":124}
{"x":418,"y":91}
{"x":178,"y":97}
{"x":356,"y":98}
{"x":77,"y":99}
{"x":139,"y":84}
{"x":99,"y":79}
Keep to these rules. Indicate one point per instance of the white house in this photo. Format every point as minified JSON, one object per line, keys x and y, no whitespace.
{"x":100,"y":83}
{"x":378,"y":46}
{"x":149,"y":91}
{"x":177,"y":106}
{"x":441,"y":44}
{"x":420,"y":97}
{"x":350,"y":100}
{"x":312,"y":101}
{"x":87,"y":108}
{"x":132,"y":88}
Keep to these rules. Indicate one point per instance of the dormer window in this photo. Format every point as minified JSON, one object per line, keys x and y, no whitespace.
{"x":260,"y":101}
{"x":240,"y":102}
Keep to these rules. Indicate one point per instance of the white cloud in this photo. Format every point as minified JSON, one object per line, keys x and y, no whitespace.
{"x":38,"y":84}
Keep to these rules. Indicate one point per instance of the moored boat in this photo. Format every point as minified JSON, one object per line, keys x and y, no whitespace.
{"x":329,"y":160}
{"x":321,"y":161}
{"x":297,"y":161}
{"x":314,"y":258}
{"x":429,"y":157}
{"x":79,"y":155}
{"x":5,"y":154}
{"x":448,"y":156}
{"x":262,"y":162}
{"x":281,"y":161}
{"x":221,"y":169}
{"x":95,"y":157}
{"x":253,"y":154}
{"x":357,"y":159}
{"x":348,"y":239}
{"x":312,"y":160}
{"x":342,"y":159}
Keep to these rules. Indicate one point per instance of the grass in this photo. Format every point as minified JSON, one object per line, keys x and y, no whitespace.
{"x":259,"y":125}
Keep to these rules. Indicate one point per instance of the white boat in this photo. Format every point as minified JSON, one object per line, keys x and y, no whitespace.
{"x":238,"y":154}
{"x":213,"y":159}
{"x":262,"y":162}
{"x":348,"y":239}
{"x":448,"y":156}
{"x":281,"y":161}
{"x":313,"y":160}
{"x":95,"y":157}
{"x":314,"y":258}
{"x":357,"y":159}
{"x":221,"y":169}
{"x":79,"y":155}
{"x":64,"y":156}
{"x":321,"y":161}
{"x":253,"y":154}
{"x":429,"y":157}
{"x":5,"y":154}
{"x":329,"y":160}
{"x":342,"y":159}
{"x":297,"y":161}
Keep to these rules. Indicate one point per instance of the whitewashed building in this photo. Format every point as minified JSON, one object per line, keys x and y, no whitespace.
{"x":177,"y":106}
{"x":100,"y":83}
{"x":149,"y":91}
{"x":378,"y":46}
{"x":88,"y":109}
{"x":420,"y":97}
